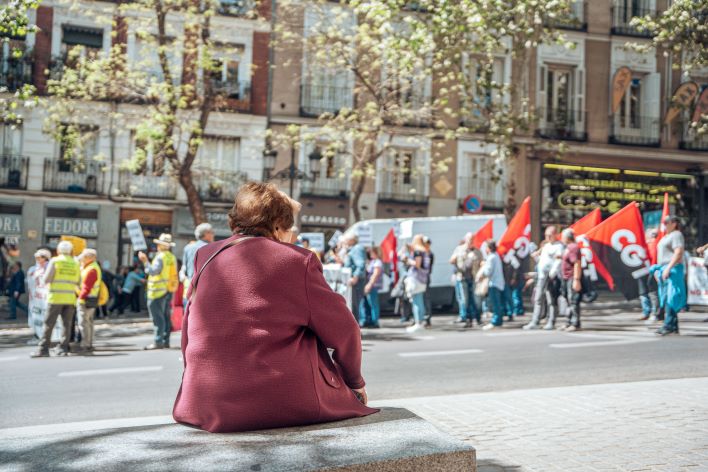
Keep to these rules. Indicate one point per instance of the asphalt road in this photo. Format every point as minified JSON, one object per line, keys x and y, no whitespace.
{"x":122,"y":381}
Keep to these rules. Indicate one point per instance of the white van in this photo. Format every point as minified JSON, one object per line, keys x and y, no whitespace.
{"x":445,"y":233}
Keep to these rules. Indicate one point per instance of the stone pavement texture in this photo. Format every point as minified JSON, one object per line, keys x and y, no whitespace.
{"x":639,"y":426}
{"x":391,"y":441}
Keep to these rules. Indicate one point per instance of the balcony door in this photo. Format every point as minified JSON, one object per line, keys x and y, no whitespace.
{"x":87,"y":41}
{"x":404,"y":174}
{"x":478,"y":174}
{"x":77,"y":148}
{"x":10,"y":140}
{"x":561,"y":98}
{"x":638,"y":113}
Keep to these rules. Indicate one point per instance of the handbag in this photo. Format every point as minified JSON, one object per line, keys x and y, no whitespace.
{"x":481,"y":288}
{"x":414,"y":286}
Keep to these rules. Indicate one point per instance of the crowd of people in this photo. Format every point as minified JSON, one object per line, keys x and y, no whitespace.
{"x":77,"y":290}
{"x":489,"y":291}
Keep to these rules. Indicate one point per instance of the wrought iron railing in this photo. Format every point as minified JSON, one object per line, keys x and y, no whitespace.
{"x":86,"y":176}
{"x":635,"y":130}
{"x":236,"y":7}
{"x":576,"y":20}
{"x":562,"y":124}
{"x":326,"y":187}
{"x":622,"y":16}
{"x":316,"y":99}
{"x":147,"y":185}
{"x":13,"y":171}
{"x":394,"y":187}
{"x":15,"y":72}
{"x":489,"y":190}
{"x":217,"y":185}
{"x":236,"y":92}
{"x":691,"y":140}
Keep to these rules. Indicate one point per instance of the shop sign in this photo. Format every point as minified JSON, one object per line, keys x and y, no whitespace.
{"x":323,"y":220}
{"x":84,"y":227}
{"x":10,"y":225}
{"x":611,"y":195}
{"x":219,"y":220}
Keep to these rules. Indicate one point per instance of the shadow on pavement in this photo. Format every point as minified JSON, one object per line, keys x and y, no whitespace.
{"x":491,"y":465}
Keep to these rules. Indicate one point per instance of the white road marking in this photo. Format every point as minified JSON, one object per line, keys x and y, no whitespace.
{"x":439,"y":353}
{"x":517,"y":333}
{"x":50,"y":429}
{"x":120,"y":370}
{"x":423,"y":338}
{"x":609,"y":341}
{"x":10,"y":358}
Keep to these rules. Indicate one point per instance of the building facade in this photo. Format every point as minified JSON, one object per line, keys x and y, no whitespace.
{"x":42,"y":197}
{"x":615,"y":152}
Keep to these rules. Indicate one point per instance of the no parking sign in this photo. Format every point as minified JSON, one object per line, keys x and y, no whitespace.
{"x":472,"y":204}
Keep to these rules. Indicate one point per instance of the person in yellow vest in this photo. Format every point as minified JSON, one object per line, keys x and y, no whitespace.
{"x":162,"y":274}
{"x":88,"y":297}
{"x":62,"y":280}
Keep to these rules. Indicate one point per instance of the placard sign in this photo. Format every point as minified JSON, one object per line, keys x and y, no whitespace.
{"x":137,"y":238}
{"x":317,"y":241}
{"x":697,"y":281}
{"x":365,"y":234}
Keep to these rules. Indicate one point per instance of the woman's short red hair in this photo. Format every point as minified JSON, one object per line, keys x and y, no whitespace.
{"x":260,"y":209}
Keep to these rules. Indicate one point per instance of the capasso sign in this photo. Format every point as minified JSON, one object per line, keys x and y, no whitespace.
{"x":71,"y":226}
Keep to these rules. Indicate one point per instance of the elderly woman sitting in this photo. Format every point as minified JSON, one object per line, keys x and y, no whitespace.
{"x":258,"y":327}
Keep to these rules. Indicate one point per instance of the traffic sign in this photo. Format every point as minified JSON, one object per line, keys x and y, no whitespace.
{"x":472,"y":204}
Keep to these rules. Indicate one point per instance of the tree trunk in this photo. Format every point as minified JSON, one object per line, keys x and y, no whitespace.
{"x":194,"y":200}
{"x":356,"y":196}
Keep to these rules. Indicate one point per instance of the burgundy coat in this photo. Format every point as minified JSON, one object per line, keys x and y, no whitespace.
{"x":255,"y":342}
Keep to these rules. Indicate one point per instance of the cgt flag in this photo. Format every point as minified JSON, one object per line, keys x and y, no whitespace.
{"x":591,"y":266}
{"x":389,"y":253}
{"x":618,"y":244}
{"x":484,"y":233}
{"x":515,"y":245}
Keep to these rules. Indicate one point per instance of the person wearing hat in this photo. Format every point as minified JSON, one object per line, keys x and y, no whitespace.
{"x":37,"y":291}
{"x":88,"y":297}
{"x":62,"y":278}
{"x":160,"y":273}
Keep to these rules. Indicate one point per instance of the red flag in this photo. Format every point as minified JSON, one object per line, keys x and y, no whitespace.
{"x":514,"y":245}
{"x":591,"y":267}
{"x":587,"y":222}
{"x":618,"y":244}
{"x":652,"y":247}
{"x":389,"y":253}
{"x":484,"y":233}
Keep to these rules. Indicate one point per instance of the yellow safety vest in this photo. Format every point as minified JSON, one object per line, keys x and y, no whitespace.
{"x":67,"y":273}
{"x":157,"y":284}
{"x":96,"y":286}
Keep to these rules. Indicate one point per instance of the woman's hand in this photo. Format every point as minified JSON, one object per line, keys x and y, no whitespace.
{"x":665,"y":274}
{"x":361,"y":395}
{"x":367,"y":289}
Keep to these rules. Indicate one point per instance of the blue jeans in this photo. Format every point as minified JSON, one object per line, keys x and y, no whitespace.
{"x":464,"y":292}
{"x":160,"y":318}
{"x":372,"y":300}
{"x":418,"y":303}
{"x":671,"y":319}
{"x":15,"y":303}
{"x":495,"y":299}
{"x":517,"y":300}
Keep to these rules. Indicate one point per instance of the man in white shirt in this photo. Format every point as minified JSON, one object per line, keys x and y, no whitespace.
{"x":545,"y":295}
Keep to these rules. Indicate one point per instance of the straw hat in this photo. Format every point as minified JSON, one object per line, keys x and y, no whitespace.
{"x":165,"y":239}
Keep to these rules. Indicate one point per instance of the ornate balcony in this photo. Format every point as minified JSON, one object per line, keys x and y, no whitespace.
{"x":235,"y":94}
{"x":62,"y":175}
{"x":396,"y":189}
{"x":326,"y":187}
{"x":161,"y":187}
{"x":13,"y":172}
{"x":15,"y":72}
{"x":217,"y":185}
{"x":316,"y":99}
{"x":691,"y":140}
{"x":577,"y":20}
{"x":622,"y":16}
{"x":561,"y":124}
{"x":635,"y":131}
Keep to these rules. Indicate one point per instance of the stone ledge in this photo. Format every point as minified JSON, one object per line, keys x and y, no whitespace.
{"x":390,"y":441}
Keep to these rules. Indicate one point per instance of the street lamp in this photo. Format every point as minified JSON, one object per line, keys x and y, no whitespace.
{"x":291,"y":173}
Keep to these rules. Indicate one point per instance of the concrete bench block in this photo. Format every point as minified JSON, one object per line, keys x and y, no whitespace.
{"x":393,"y":440}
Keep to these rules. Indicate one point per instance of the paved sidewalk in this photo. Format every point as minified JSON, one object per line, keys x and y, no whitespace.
{"x":639,"y":426}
